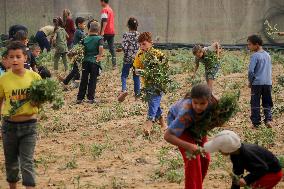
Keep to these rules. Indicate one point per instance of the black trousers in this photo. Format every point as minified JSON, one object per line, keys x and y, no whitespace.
{"x":110,"y":41}
{"x":74,"y":74}
{"x":89,"y":77}
{"x":262,"y":92}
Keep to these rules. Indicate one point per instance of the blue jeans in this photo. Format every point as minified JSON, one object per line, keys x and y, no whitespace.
{"x":261,"y":92}
{"x":19,"y":140}
{"x":124,"y":75}
{"x":154,"y":108}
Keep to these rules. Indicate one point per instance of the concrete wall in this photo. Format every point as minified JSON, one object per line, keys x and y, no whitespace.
{"x":173,"y":21}
{"x":32,"y":13}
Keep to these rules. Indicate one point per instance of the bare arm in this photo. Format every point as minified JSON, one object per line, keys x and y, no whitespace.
{"x":103,"y":28}
{"x":281,"y":33}
{"x":195,"y":68}
{"x":100,"y":55}
{"x":218,"y":49}
{"x":174,"y":140}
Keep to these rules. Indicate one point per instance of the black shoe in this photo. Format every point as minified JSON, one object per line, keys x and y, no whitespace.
{"x":256,"y":126}
{"x":79,"y":101}
{"x":91,"y":101}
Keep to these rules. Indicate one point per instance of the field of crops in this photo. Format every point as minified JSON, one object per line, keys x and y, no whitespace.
{"x":102,"y":146}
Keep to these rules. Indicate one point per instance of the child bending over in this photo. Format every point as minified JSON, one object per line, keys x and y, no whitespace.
{"x":182,"y":129}
{"x":264,"y":170}
{"x":209,"y":56}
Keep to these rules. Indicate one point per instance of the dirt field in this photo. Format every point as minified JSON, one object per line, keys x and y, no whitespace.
{"x":102,"y":146}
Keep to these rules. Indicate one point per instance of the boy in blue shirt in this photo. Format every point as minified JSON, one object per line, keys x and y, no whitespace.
{"x":260,"y":81}
{"x":78,"y":37}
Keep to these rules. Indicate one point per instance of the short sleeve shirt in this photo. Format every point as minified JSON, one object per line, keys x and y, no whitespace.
{"x":209,"y":59}
{"x":15,"y":89}
{"x":183,"y":113}
{"x":107,"y":15}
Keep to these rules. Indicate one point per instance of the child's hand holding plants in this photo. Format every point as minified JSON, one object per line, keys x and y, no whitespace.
{"x":99,"y":58}
{"x":194,"y":151}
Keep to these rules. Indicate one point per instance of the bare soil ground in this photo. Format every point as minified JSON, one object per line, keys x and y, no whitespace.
{"x":102,"y":146}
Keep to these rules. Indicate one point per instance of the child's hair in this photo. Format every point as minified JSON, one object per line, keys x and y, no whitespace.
{"x":255,"y":39}
{"x":196,"y":49}
{"x":34,"y":47}
{"x":21,"y":35}
{"x":145,"y":36}
{"x":94,"y":27}
{"x":66,"y":13}
{"x":60,"y":22}
{"x":57,"y":22}
{"x":15,"y":45}
{"x":105,"y":1}
{"x":79,"y":20}
{"x":132,"y":23}
{"x":89,"y":23}
{"x":199,"y":91}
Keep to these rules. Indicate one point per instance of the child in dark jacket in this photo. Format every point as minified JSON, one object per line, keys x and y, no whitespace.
{"x":264,"y":170}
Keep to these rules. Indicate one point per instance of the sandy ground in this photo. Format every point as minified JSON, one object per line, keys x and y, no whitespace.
{"x":127,"y":160}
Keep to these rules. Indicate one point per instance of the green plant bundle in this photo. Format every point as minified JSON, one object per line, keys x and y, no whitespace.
{"x":156,"y":76}
{"x":46,"y":90}
{"x":210,"y":59}
{"x":77,"y":53}
{"x":40,"y":92}
{"x":217,"y":115}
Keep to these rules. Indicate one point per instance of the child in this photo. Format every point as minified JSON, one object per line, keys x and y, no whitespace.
{"x":130,"y":47}
{"x":4,"y":65}
{"x":264,"y":170}
{"x":93,"y":44}
{"x":42,"y":37}
{"x":182,"y":118}
{"x":209,"y":56}
{"x":154,"y":103}
{"x":260,"y":81}
{"x":69,"y":26}
{"x":79,"y":33}
{"x":107,"y":28}
{"x":78,"y":37}
{"x":18,"y":130}
{"x":22,"y":36}
{"x":41,"y":70}
{"x":60,"y":41}
{"x":35,"y":51}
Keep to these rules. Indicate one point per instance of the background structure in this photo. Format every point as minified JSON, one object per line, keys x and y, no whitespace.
{"x":170,"y":21}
